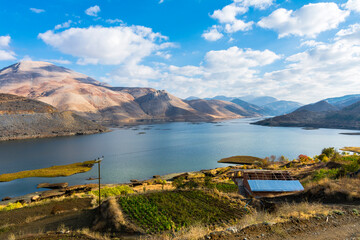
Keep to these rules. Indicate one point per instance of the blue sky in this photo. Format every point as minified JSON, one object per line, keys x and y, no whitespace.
{"x":294,"y":50}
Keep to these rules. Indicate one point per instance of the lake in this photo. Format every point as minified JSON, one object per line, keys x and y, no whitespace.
{"x":162,"y":149}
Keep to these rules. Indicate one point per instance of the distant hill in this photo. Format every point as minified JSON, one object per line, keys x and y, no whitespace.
{"x":319,"y":115}
{"x":281,"y":107}
{"x":343,"y":101}
{"x":191,"y":98}
{"x":222,"y":98}
{"x":68,"y":90}
{"x":260,"y":101}
{"x":219,"y":107}
{"x":252,"y":107}
{"x":22,"y":118}
{"x":321,"y":106}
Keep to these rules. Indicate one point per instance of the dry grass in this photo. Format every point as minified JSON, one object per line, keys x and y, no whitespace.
{"x":241,"y":160}
{"x":349,"y":186}
{"x":96,"y":235}
{"x":54,"y":171}
{"x":351,"y":149}
{"x":11,"y":237}
{"x":34,"y":218}
{"x":302,"y":210}
{"x":192,"y":233}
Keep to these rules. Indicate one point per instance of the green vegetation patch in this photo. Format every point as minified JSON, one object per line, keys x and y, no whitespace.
{"x":54,"y":171}
{"x":157,"y":212}
{"x":241,"y":160}
{"x":113,"y":191}
{"x":351,"y":149}
{"x":227,"y":187}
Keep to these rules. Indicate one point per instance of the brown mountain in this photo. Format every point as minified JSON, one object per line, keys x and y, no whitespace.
{"x":22,"y":118}
{"x":69,"y":90}
{"x":220,"y":108}
{"x":319,"y":115}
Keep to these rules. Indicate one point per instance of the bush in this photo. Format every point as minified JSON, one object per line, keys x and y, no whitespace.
{"x":113,"y":191}
{"x":329,"y":152}
{"x":327,"y":173}
{"x":178,"y":183}
{"x":12,"y":206}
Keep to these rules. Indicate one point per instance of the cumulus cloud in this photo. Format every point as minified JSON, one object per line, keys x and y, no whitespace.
{"x":37,"y":10}
{"x":326,"y":69}
{"x":212,"y":34}
{"x":309,"y":20}
{"x":112,"y":21}
{"x":353,"y":5}
{"x":227,"y":70}
{"x":229,"y":17}
{"x":5,"y":52}
{"x":63,"y":25}
{"x":111,"y":46}
{"x":93,"y":11}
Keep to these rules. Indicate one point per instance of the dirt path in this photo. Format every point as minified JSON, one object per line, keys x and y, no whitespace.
{"x":341,"y":226}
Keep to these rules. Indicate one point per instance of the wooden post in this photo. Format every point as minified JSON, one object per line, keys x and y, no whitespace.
{"x":99,"y":183}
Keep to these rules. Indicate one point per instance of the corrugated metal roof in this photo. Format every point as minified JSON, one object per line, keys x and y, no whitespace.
{"x":275,"y":185}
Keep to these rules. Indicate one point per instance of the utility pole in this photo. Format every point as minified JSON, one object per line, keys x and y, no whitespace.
{"x":98,"y":161}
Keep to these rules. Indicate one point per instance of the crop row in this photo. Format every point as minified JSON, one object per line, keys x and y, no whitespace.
{"x":156,"y":212}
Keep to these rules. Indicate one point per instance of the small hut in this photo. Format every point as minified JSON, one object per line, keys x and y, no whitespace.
{"x":263,"y":183}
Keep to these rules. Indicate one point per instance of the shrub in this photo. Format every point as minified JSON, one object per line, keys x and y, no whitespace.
{"x":12,"y":206}
{"x":178,"y":183}
{"x":113,"y":191}
{"x":329,"y":152}
{"x":327,"y":173}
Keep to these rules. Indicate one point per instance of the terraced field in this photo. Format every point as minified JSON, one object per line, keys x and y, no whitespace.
{"x":157,"y":212}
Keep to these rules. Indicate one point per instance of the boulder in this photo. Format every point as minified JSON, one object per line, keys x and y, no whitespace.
{"x":53,"y":185}
{"x":6,"y":199}
{"x":51,"y":194}
{"x":35,"y":198}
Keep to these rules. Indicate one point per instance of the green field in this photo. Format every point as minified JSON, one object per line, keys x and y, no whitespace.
{"x":157,"y":212}
{"x":54,"y":171}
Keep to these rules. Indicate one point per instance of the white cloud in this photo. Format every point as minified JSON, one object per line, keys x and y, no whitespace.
{"x":228,"y":13}
{"x":161,"y":1}
{"x":212,"y":34}
{"x":93,"y":11}
{"x":228,"y":16}
{"x":326,"y":69}
{"x":26,"y":58}
{"x":102,"y":45}
{"x":37,"y":10}
{"x":353,"y":5}
{"x":350,"y":35}
{"x":260,"y":4}
{"x":5,"y":52}
{"x":112,"y":21}
{"x":63,"y":25}
{"x":58,"y":61}
{"x":5,"y":41}
{"x":225,"y":70}
{"x":238,"y":25}
{"x":309,"y":21}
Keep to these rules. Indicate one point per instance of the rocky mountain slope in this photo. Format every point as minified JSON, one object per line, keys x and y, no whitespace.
{"x":319,"y":115}
{"x":263,"y":105}
{"x":22,"y":118}
{"x":69,"y":90}
{"x":221,"y":108}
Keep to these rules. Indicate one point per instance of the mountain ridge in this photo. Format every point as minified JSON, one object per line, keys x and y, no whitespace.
{"x":66,"y":90}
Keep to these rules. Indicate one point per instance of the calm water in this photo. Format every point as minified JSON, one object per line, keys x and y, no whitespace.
{"x":165,"y":148}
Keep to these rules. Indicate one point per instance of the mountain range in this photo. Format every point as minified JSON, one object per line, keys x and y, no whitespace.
{"x":68,"y":90}
{"x":341,"y":112}
{"x":263,"y":105}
